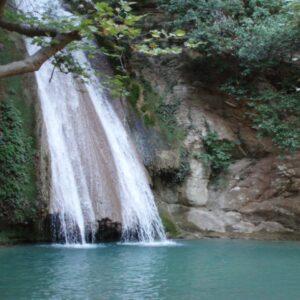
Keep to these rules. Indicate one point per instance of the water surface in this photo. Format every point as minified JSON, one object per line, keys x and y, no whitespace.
{"x":207,"y":269}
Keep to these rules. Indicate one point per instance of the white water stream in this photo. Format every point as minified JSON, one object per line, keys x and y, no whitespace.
{"x":95,"y":170}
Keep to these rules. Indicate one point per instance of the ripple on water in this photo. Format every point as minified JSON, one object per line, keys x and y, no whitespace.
{"x":167,"y":243}
{"x":205,"y":269}
{"x":74,"y":246}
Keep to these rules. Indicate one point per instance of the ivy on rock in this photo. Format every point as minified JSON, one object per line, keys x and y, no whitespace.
{"x":15,"y":154}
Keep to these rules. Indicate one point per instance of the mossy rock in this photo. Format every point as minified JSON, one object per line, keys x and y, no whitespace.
{"x":169,"y":225}
{"x":18,"y":188}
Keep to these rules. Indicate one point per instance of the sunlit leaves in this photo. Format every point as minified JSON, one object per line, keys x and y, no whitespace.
{"x":193,"y":44}
{"x":155,"y":50}
{"x":104,"y":10}
{"x":180,"y":33}
{"x":155,"y":33}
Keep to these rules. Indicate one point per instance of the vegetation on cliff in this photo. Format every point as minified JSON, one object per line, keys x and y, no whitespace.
{"x":18,"y":193}
{"x":249,"y":43}
{"x":16,"y":203}
{"x":218,"y":153}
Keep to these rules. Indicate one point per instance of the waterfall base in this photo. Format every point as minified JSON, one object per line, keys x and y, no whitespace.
{"x":64,"y":230}
{"x":108,"y":231}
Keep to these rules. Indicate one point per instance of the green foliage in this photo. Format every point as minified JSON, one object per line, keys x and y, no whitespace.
{"x":274,"y":113}
{"x":111,"y":20}
{"x":278,"y":115}
{"x":66,"y":63}
{"x":294,"y":10}
{"x":235,"y":88}
{"x":134,"y":94}
{"x":218,"y":153}
{"x":168,"y":123}
{"x":115,"y":21}
{"x":260,"y":39}
{"x":257,"y":33}
{"x":117,"y":85}
{"x":17,"y":143}
{"x":151,"y":45}
{"x":15,"y":154}
{"x":184,"y":167}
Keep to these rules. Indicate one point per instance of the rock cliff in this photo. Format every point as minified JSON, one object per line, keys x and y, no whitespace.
{"x":256,"y":197}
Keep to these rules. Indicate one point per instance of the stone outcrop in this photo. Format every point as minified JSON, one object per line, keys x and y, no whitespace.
{"x":257,"y":197}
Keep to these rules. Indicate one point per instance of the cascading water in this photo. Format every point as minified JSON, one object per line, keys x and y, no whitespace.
{"x":94,"y":167}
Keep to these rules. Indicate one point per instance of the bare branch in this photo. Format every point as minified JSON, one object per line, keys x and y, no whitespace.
{"x":28,"y":30}
{"x":34,"y":62}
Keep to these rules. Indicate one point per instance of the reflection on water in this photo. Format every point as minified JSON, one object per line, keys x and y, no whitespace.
{"x":211,"y":269}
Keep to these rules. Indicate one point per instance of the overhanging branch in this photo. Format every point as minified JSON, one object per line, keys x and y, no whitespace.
{"x":28,"y":30}
{"x":35,"y":61}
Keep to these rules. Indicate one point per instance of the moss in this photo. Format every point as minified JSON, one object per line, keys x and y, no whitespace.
{"x":149,"y":120}
{"x":169,"y":225}
{"x":163,"y":114}
{"x":18,"y":191}
{"x":17,"y":234}
{"x":134,"y":94}
{"x":11,"y":236}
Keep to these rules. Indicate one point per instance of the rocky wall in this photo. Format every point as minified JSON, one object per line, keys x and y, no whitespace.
{"x":256,"y":197}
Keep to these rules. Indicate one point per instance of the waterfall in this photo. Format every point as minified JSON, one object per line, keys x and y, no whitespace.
{"x":95,"y":170}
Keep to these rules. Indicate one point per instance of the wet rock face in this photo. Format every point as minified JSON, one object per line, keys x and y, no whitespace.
{"x":196,"y":191}
{"x":257,"y":197}
{"x":58,"y":230}
{"x":108,"y":231}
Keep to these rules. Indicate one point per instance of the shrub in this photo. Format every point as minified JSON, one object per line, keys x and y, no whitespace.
{"x":218,"y":152}
{"x":277,"y":114}
{"x":257,"y":33}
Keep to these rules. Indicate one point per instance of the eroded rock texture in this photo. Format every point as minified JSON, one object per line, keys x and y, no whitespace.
{"x":257,"y":197}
